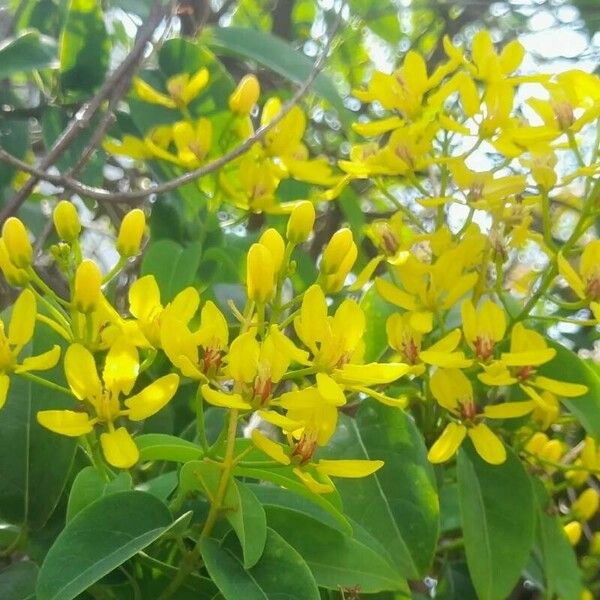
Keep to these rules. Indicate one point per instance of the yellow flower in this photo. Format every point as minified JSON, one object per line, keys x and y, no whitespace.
{"x":454,"y":392}
{"x":483,"y":328}
{"x":102,"y":399}
{"x":301,"y":222}
{"x":66,"y":221}
{"x":87,"y":291}
{"x":20,"y":332}
{"x":338,"y":258}
{"x":131,"y":231}
{"x":528,"y":350}
{"x":193,"y":142}
{"x":16,"y":241}
{"x":586,"y":283}
{"x":245,"y":95}
{"x":573,"y":532}
{"x":260,"y":274}
{"x":145,"y":305}
{"x":199,"y":353}
{"x":490,"y":66}
{"x":13,"y":275}
{"x":586,"y":505}
{"x":182,"y":89}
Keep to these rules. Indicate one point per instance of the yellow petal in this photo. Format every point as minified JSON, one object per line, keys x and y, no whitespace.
{"x":22,"y":320}
{"x":152,"y":398}
{"x":225,"y":400}
{"x":147,"y":93}
{"x":269,"y":447}
{"x":509,"y":410}
{"x":524,"y":359}
{"x":82,"y":376}
{"x":144,"y":298}
{"x":487,"y":444}
{"x":372,"y":373}
{"x":365,"y":275}
{"x":185,"y":304}
{"x":388,"y":291}
{"x":65,"y":422}
{"x":569,"y":273}
{"x":119,"y":449}
{"x":312,"y":324}
{"x":4,"y":385}
{"x":242,"y":360}
{"x":348,"y":468}
{"x":312,"y":484}
{"x":560,"y":388}
{"x":330,"y":390}
{"x":41,"y":362}
{"x":422,"y":321}
{"x":121,"y":367}
{"x":447,"y":444}
{"x":196,"y":84}
{"x":284,"y":423}
{"x":449,"y":387}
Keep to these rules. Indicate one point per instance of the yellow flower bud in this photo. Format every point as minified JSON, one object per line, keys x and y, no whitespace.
{"x":13,"y":275}
{"x":88,"y":281}
{"x":66,"y":221}
{"x":551,"y":451}
{"x":595,"y":544}
{"x":577,"y":477}
{"x":536,"y":442}
{"x":301,"y":222}
{"x":273,"y":241}
{"x":586,"y":506}
{"x":260,"y":274}
{"x":339,"y":247}
{"x":17,"y":242}
{"x":586,"y":595}
{"x":573,"y":532}
{"x":131,"y":232}
{"x":245,"y":95}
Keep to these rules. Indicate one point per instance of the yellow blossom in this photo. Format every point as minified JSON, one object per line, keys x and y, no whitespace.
{"x":182,"y":89}
{"x":87,"y":287}
{"x":245,"y":95}
{"x":66,"y":221}
{"x":16,"y":241}
{"x":131,"y":232}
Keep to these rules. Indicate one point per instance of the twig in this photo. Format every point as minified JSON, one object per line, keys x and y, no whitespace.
{"x":84,"y":116}
{"x":103,"y":195}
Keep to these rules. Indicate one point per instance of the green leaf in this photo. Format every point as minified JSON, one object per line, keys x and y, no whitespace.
{"x":497,"y":514}
{"x":89,"y":485}
{"x":173,"y":266}
{"x":17,"y":581}
{"x":567,"y":366}
{"x":279,"y":574}
{"x":84,"y":47}
{"x":249,"y":523}
{"x":161,"y":446}
{"x":34,"y":462}
{"x":25,"y":53}
{"x":98,"y":539}
{"x":561,"y":571}
{"x":455,"y":583}
{"x":376,"y":310}
{"x":398,"y":505}
{"x":335,"y":559}
{"x":277,"y":55}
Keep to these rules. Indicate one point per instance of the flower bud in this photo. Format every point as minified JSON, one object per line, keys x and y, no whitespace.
{"x":586,"y":506}
{"x":13,"y":275}
{"x":573,"y":532}
{"x":536,"y":442}
{"x":17,"y":242}
{"x":88,"y":280}
{"x":551,"y":451}
{"x":131,"y":232}
{"x":595,"y":544}
{"x":301,"y":222}
{"x":245,"y":95}
{"x":337,"y":251}
{"x":66,"y":221}
{"x":273,"y":241}
{"x":260,"y":274}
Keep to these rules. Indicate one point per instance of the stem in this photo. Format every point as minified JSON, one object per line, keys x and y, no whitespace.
{"x":91,"y":449}
{"x":200,"y":425}
{"x":54,"y":326}
{"x":49,"y":384}
{"x":299,"y":373}
{"x":114,"y":271}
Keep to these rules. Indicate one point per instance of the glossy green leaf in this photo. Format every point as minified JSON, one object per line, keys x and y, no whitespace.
{"x":98,"y":539}
{"x":567,"y":366}
{"x":398,"y":505}
{"x":558,"y":559}
{"x":89,"y":485}
{"x":280,"y":573}
{"x":17,"y":581}
{"x":161,"y":446}
{"x":376,"y":310}
{"x":497,"y":514}
{"x":34,"y":462}
{"x":173,"y":266}
{"x":277,"y":55}
{"x":84,"y":47}
{"x":334,"y":558}
{"x":455,"y":583}
{"x":25,"y":53}
{"x":249,"y":523}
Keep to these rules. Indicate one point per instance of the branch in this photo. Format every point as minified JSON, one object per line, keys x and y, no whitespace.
{"x":83,"y":117}
{"x":103,"y":195}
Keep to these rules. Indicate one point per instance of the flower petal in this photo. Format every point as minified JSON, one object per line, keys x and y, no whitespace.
{"x":41,"y":362}
{"x":119,"y":449}
{"x":560,"y":388}
{"x":488,"y":444}
{"x":144,"y":298}
{"x":121,"y":367}
{"x":80,"y":369}
{"x":65,"y":422}
{"x":445,"y":447}
{"x":225,"y":400}
{"x":330,"y":390}
{"x":509,"y":410}
{"x":22,"y":320}
{"x":312,"y":484}
{"x":4,"y":385}
{"x":348,"y":468}
{"x":152,"y":398}
{"x":269,"y":447}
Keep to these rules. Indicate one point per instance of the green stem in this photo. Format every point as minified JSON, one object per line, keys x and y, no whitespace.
{"x":49,"y":384}
{"x":299,"y":373}
{"x":91,"y":449}
{"x":200,"y":424}
{"x":114,"y":271}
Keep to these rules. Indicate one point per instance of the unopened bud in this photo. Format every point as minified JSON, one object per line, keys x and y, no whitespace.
{"x":536,"y":442}
{"x":66,"y":221}
{"x":595,"y":544}
{"x":573,"y":532}
{"x":336,"y":252}
{"x":586,"y":506}
{"x":13,"y":275}
{"x":260,"y":274}
{"x":17,"y":242}
{"x":88,"y":280}
{"x":245,"y":95}
{"x":301,"y":222}
{"x":131,"y":232}
{"x":273,"y":241}
{"x":551,"y":451}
